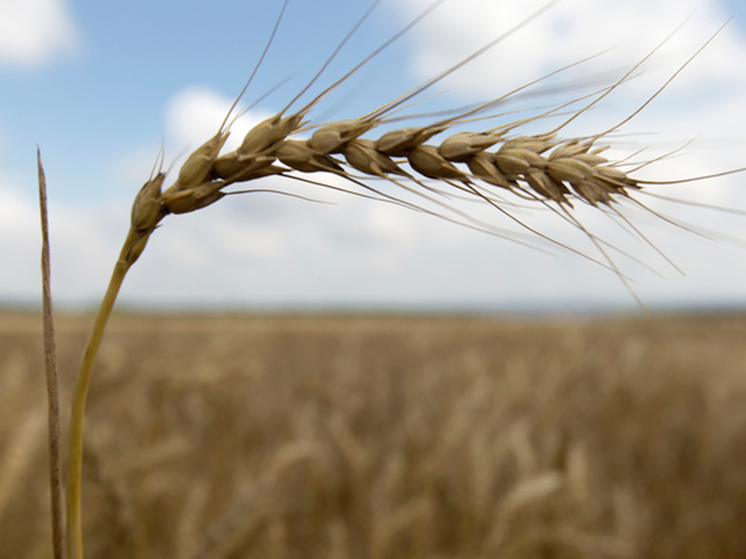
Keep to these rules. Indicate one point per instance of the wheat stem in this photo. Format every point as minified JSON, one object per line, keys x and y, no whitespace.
{"x":75,"y":452}
{"x":146,"y":214}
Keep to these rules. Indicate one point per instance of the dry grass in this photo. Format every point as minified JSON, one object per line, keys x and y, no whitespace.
{"x":227,"y":437}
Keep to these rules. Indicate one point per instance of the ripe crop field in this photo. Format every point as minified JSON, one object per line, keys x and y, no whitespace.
{"x":387,"y":437}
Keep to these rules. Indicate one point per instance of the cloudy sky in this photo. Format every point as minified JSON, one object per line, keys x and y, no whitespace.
{"x":99,"y":85}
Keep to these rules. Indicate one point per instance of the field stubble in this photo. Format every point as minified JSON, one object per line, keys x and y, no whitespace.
{"x":386,"y":437}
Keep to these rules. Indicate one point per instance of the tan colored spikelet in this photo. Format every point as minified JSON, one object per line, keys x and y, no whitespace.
{"x":463,"y":146}
{"x":482,"y":165}
{"x":363,"y":156}
{"x":185,"y":201}
{"x":195,"y":169}
{"x":332,"y":137}
{"x":298,"y":155}
{"x":592,"y":193}
{"x":543,"y":184}
{"x":581,"y":177}
{"x":592,"y":158}
{"x":251,"y":174}
{"x":571,"y":170}
{"x":133,"y":247}
{"x":523,"y":158}
{"x":267,"y":134}
{"x":537,"y":144}
{"x":399,"y":143}
{"x":260,"y":137}
{"x":288,"y":125}
{"x":232,"y":167}
{"x":146,"y":209}
{"x":569,"y":149}
{"x":511,"y":165}
{"x":427,"y":161}
{"x":614,"y":175}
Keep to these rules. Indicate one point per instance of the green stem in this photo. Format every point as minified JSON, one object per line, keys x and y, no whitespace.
{"x":75,"y":455}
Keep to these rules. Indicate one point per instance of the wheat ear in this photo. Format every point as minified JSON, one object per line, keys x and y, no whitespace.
{"x":481,"y":166}
{"x":146,"y":213}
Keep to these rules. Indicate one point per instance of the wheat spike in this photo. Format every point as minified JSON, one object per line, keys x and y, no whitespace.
{"x":544,"y":170}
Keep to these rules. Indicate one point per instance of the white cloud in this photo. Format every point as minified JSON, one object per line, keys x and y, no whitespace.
{"x":568,"y":32}
{"x":33,"y":31}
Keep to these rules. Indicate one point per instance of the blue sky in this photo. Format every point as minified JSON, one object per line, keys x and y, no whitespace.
{"x":96,"y":84}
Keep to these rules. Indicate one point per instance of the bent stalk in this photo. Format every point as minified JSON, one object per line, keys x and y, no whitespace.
{"x":133,"y":246}
{"x":75,"y":455}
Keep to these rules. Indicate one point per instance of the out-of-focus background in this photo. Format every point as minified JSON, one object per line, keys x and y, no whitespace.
{"x":384,"y":437}
{"x":99,"y":85}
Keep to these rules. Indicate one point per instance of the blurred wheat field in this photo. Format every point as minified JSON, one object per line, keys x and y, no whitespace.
{"x":388,"y":437}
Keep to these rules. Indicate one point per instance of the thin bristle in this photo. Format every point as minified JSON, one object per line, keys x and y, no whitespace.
{"x":551,"y":172}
